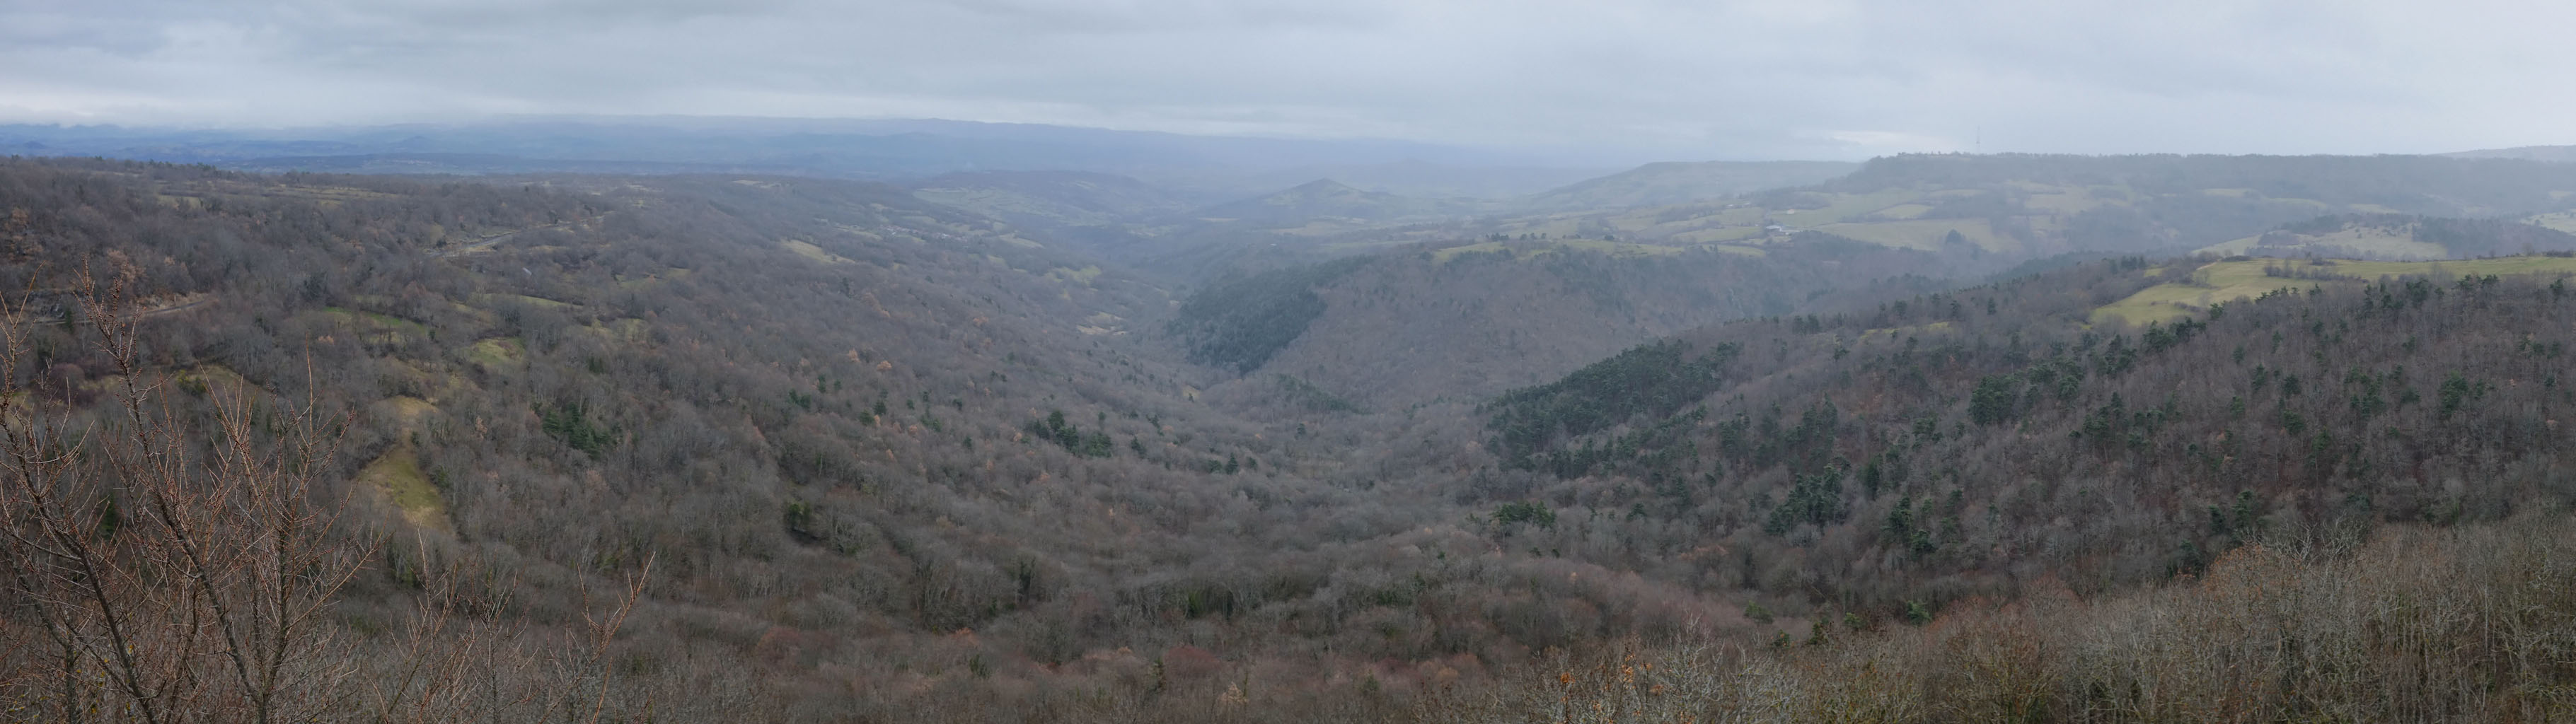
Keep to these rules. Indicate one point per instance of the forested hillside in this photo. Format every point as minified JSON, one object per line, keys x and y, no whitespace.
{"x":728,"y":448}
{"x":1967,"y":443}
{"x":784,"y":394}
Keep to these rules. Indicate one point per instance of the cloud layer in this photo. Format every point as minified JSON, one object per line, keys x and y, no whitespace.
{"x":1751,"y":79}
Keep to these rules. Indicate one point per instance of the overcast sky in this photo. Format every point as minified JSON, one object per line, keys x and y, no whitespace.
{"x":1761,"y":79}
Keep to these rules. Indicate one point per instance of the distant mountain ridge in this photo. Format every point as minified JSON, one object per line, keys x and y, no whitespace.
{"x":1408,"y":177}
{"x":1674,"y":182}
{"x":2002,"y":209}
{"x":2558,"y":154}
{"x":1327,"y":198}
{"x":1078,"y":198}
{"x":852,"y":148}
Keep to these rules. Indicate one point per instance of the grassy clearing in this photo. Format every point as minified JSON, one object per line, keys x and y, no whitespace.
{"x":397,"y":370}
{"x":408,"y":412}
{"x":215,"y":378}
{"x":1081,"y":276}
{"x":1444,"y":255}
{"x":2232,"y":280}
{"x":1923,"y":234}
{"x":478,"y":313}
{"x":1740,"y":216}
{"x":2065,"y":201}
{"x":816,"y":253}
{"x":2562,"y":221}
{"x":651,"y":279}
{"x":858,"y":232}
{"x":492,"y":300}
{"x":1523,"y":251}
{"x":1721,"y":234}
{"x":1904,"y":212}
{"x":399,"y":477}
{"x":498,"y":353}
{"x":1555,"y":227}
{"x":2373,"y":242}
{"x":537,"y":301}
{"x":1621,"y":249}
{"x":374,"y":326}
{"x":629,"y":330}
{"x":1845,"y":207}
{"x":1896,"y":332}
{"x":396,"y":323}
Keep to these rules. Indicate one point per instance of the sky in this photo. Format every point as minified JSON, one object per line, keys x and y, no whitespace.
{"x":1739,"y":80}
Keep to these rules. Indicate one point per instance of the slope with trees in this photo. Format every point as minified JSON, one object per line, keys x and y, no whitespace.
{"x":1465,"y":320}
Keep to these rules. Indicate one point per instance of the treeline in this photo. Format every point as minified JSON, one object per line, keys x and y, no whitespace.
{"x":2426,"y":185}
{"x":2169,"y":204}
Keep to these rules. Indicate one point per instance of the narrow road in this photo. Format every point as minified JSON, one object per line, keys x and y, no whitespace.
{"x":181,"y":304}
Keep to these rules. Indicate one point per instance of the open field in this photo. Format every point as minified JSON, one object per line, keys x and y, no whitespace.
{"x":816,"y":253}
{"x":498,"y":353}
{"x":2232,"y":280}
{"x":2562,"y":221}
{"x":1524,"y":250}
{"x":399,"y":477}
{"x":2371,"y":241}
{"x":1923,"y":234}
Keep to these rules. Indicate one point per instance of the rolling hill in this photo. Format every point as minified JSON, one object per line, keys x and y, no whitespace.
{"x":1998,"y":210}
{"x":1056,"y":198}
{"x":1407,"y":177}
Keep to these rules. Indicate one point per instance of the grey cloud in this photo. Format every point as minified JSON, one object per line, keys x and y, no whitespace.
{"x":1127,"y":16}
{"x":1747,"y":79}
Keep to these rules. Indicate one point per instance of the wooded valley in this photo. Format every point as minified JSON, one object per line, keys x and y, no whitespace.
{"x":1947,"y":438}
